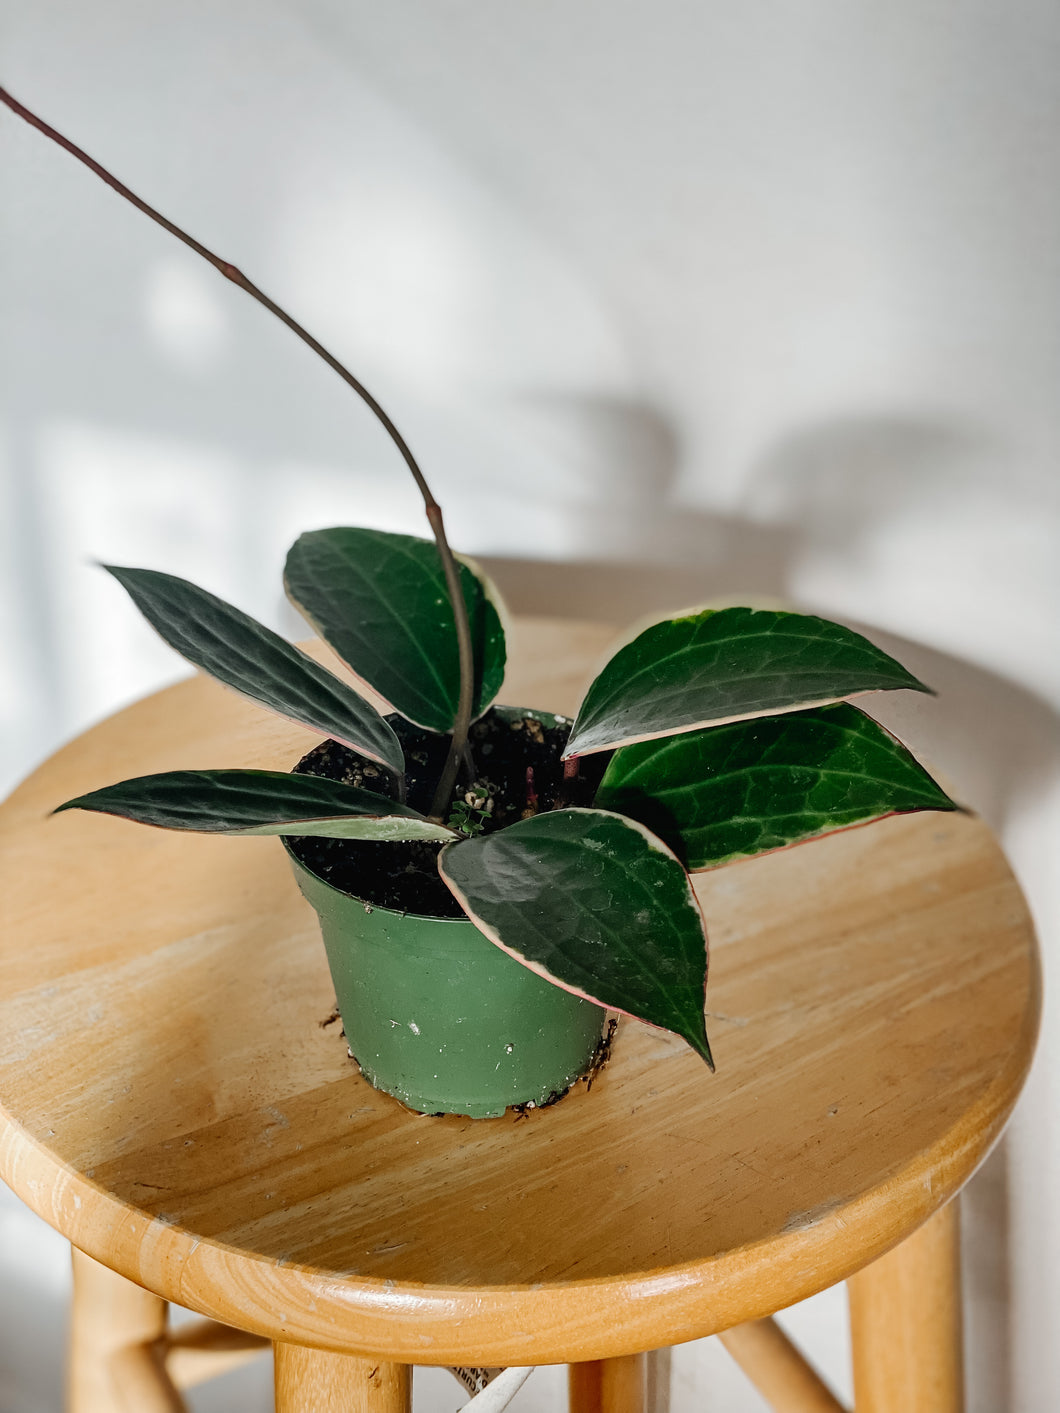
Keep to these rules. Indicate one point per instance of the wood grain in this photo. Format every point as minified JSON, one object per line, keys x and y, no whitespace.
{"x":608,"y":1385}
{"x":905,"y":1324}
{"x":204,"y":1349}
{"x":117,"y":1346}
{"x":169,"y":1100}
{"x":314,"y":1381}
{"x":778,"y":1370}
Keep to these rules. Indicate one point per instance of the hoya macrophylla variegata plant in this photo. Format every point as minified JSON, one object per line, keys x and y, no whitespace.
{"x":727,"y":734}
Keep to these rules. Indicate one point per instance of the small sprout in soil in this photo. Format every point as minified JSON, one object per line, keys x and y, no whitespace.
{"x":480,"y":796}
{"x":467,"y":819}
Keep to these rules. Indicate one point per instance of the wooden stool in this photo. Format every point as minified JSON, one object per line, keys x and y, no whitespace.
{"x":173,"y":1103}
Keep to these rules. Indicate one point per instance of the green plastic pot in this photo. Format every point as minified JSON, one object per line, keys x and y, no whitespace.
{"x":438,"y":1016}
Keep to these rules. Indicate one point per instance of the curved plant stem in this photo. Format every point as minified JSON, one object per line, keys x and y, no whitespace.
{"x":462,"y":720}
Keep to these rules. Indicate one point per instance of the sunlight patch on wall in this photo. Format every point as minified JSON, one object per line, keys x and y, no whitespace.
{"x":111,"y":495}
{"x":185,"y":317}
{"x":396,"y":250}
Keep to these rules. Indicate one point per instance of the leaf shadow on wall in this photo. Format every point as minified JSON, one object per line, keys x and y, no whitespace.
{"x":611,"y":463}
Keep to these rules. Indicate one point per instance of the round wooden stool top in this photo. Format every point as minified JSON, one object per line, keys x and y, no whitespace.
{"x":172,"y":1103}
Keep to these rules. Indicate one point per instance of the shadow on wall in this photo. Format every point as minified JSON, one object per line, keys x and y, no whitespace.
{"x":610,"y":465}
{"x":926,"y":525}
{"x":919,"y":523}
{"x":839,"y":479}
{"x":849,"y":505}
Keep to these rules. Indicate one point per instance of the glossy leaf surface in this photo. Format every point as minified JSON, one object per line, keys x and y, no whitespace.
{"x":381,"y":601}
{"x":730,"y":792}
{"x":596,"y":904}
{"x":258,"y":802}
{"x":725,"y":665}
{"x":256,"y":662}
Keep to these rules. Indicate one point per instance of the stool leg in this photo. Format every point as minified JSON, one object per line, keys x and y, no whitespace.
{"x":317,"y":1381}
{"x":608,"y":1385}
{"x":905,"y":1324}
{"x":787,"y":1382}
{"x":117,"y":1333}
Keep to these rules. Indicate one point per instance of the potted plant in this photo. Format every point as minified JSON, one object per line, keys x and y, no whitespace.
{"x":491,"y":880}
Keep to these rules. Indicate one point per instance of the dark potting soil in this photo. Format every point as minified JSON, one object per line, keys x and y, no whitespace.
{"x":404,"y":876}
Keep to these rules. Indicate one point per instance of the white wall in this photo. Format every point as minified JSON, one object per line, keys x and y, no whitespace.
{"x":762,"y":293}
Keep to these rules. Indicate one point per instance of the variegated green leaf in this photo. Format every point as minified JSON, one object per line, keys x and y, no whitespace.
{"x":727,"y":665}
{"x":730,"y":792}
{"x":258,"y":663}
{"x":381,"y":601}
{"x":258,"y":802}
{"x":596,"y":904}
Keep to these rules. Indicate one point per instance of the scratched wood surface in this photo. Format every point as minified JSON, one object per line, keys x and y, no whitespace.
{"x":171,"y":1102}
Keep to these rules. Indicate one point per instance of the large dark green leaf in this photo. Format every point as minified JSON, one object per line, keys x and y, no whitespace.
{"x":596,"y":904}
{"x":258,"y":663}
{"x":727,"y":665}
{"x":730,"y":792}
{"x":258,"y":802}
{"x":381,"y":602}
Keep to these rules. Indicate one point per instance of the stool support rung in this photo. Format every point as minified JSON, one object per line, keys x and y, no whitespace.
{"x":204,"y":1349}
{"x":777,"y":1368}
